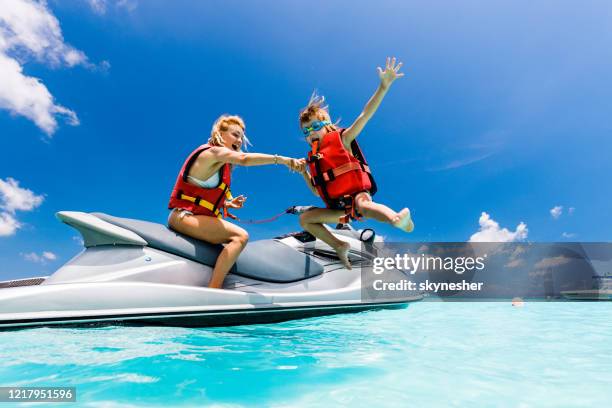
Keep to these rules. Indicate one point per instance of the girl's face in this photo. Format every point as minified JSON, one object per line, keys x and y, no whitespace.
{"x":233,"y":137}
{"x":313,"y":134}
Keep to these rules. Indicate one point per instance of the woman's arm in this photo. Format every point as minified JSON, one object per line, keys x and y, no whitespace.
{"x":390,"y":74}
{"x":225,"y":155}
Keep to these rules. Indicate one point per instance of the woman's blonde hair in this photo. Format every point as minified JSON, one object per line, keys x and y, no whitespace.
{"x":316,"y":109}
{"x":223,"y":123}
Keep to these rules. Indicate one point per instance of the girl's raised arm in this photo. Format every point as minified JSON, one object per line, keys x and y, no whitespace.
{"x":387,"y":76}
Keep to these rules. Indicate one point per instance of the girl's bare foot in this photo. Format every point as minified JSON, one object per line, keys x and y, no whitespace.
{"x":342,"y":252}
{"x":403,"y":221}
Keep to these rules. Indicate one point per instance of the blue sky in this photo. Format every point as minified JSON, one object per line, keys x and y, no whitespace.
{"x":504,"y":109}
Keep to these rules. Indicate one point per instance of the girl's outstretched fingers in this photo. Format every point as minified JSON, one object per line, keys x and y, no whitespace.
{"x":403,"y":221}
{"x":391,"y":72}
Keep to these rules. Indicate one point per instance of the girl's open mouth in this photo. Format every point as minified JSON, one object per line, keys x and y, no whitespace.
{"x":312,"y":138}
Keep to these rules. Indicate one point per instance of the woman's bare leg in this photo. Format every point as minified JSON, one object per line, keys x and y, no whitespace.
{"x":312,"y":221}
{"x":380,"y":212}
{"x":215,"y":231}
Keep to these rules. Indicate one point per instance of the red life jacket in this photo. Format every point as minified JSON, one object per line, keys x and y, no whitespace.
{"x":199,"y":200}
{"x":336,"y":173}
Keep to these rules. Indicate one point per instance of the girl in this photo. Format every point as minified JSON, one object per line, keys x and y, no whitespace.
{"x":201,"y":194}
{"x":338,"y":173}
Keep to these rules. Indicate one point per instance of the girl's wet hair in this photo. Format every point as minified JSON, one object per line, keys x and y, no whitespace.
{"x":222,"y":124}
{"x":316,"y":109}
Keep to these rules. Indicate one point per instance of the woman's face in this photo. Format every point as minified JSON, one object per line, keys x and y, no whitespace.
{"x":233,"y":137}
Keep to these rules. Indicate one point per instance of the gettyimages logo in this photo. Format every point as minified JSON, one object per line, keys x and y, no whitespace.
{"x":487,"y":271}
{"x":413,"y":264}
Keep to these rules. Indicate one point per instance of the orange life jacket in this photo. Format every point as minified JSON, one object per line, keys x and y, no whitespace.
{"x":335,"y":172}
{"x":199,"y":200}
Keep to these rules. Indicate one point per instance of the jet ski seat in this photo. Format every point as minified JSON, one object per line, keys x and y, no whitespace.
{"x":267,"y":260}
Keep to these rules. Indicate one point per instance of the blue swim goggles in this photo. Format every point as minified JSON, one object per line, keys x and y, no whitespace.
{"x":315,"y":126}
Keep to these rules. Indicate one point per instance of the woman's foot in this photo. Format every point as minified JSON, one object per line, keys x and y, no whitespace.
{"x":403,"y":221}
{"x":342,"y":252}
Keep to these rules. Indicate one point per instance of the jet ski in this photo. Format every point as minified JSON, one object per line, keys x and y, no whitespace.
{"x":136,"y":272}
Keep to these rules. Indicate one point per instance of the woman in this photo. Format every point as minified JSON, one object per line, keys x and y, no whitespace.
{"x":201,"y":195}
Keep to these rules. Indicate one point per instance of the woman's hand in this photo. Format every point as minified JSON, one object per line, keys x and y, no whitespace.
{"x":236,"y":202}
{"x":390,"y":73}
{"x":296,"y":165}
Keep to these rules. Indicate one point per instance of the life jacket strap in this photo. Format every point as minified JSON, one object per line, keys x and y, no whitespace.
{"x":314,"y":157}
{"x":350,"y":213}
{"x":228,"y":197}
{"x":202,"y":203}
{"x":345,"y":168}
{"x":227,"y":214}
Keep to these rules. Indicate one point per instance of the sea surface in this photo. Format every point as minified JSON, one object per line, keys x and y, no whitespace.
{"x":430,"y":354}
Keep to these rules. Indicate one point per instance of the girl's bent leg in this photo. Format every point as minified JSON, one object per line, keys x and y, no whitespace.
{"x":215,"y":231}
{"x":312,"y":221}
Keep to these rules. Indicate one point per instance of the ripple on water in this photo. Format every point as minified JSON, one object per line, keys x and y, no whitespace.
{"x":431,"y":354}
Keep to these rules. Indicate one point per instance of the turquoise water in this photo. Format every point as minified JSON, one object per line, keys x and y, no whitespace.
{"x":431,"y":354}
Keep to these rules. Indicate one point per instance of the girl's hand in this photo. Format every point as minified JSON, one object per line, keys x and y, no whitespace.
{"x":236,"y":202}
{"x":295,"y":164}
{"x":299,"y":165}
{"x":390,"y":73}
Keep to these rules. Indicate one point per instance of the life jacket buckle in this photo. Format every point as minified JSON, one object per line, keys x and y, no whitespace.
{"x":317,"y":156}
{"x":350,"y":212}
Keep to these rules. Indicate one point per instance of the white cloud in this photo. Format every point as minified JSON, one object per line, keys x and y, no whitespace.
{"x":42,"y":258}
{"x":455,"y":164}
{"x":32,"y":257}
{"x":568,"y":235}
{"x":552,"y":262}
{"x":490,"y":231}
{"x":556,"y":211}
{"x":29,"y":30}
{"x":515,"y":259}
{"x":571,"y":210}
{"x":27,"y":96}
{"x":515,"y":263}
{"x":15,"y":198}
{"x":49,"y":255}
{"x":98,"y":6}
{"x":129,"y":5}
{"x":104,"y":66}
{"x":29,"y":26}
{"x":101,"y":6}
{"x":8,"y":224}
